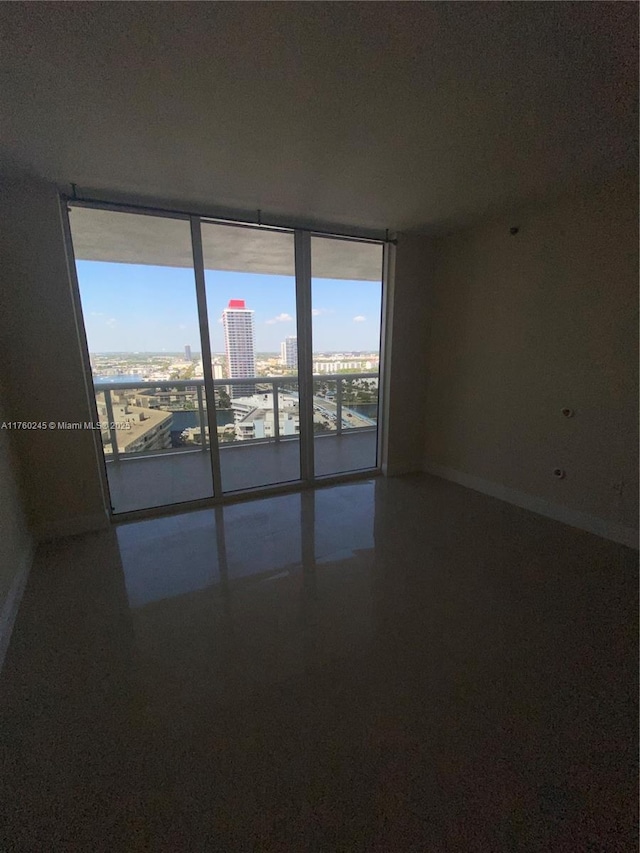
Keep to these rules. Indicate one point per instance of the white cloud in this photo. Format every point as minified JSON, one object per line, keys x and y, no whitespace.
{"x":97,"y":314}
{"x":318,"y":311}
{"x":111,"y":321}
{"x":281,"y":318}
{"x":182,"y":326}
{"x":359,"y":319}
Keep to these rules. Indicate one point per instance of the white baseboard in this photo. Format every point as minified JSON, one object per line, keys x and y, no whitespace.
{"x":574,"y":518}
{"x":9,"y":608}
{"x":73,"y":526}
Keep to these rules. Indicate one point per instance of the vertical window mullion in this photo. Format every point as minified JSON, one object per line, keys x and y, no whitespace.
{"x":205,"y":343}
{"x":305,"y":349}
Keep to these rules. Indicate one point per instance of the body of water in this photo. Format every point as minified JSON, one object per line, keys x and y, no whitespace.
{"x":369,"y":410}
{"x":120,"y":377}
{"x":186,"y":420}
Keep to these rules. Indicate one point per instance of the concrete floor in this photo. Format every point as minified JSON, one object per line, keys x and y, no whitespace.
{"x":389,"y":665}
{"x":170,"y":478}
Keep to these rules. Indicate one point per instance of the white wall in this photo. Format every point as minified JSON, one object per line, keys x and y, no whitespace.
{"x":408,"y":318}
{"x":525,"y":325}
{"x":16,"y":542}
{"x":41,"y":363}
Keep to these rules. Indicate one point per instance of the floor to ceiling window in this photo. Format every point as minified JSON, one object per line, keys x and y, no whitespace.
{"x":225,"y":357}
{"x":138,"y":294}
{"x":346,"y":299}
{"x":251,"y":299}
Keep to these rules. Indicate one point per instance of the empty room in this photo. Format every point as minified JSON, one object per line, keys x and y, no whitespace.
{"x":319,"y":426}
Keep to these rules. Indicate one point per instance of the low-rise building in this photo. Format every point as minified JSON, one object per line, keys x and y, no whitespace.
{"x":138,"y":428}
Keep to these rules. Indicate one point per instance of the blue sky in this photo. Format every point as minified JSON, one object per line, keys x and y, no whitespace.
{"x":141,"y":308}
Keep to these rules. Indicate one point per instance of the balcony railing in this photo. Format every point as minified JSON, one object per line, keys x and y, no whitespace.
{"x":332,"y":406}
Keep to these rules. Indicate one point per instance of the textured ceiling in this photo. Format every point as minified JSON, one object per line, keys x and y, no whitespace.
{"x":400,"y":115}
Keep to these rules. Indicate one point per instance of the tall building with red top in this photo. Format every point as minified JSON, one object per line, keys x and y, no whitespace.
{"x":239,"y":338}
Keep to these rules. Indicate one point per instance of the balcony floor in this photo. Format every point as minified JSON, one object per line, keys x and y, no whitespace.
{"x":154,"y":481}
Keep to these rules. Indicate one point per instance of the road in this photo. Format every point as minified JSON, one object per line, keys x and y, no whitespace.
{"x":349,"y":417}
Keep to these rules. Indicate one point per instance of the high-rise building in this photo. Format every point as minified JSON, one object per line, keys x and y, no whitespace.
{"x":239,"y":339}
{"x":187,"y":353}
{"x":289,"y":352}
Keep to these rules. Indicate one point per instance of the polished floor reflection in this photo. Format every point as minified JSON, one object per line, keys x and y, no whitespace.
{"x":385,"y":665}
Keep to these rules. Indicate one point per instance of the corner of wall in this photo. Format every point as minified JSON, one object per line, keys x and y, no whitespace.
{"x":524,"y":325}
{"x":407,"y":324}
{"x":42,"y":361}
{"x":17,"y":544}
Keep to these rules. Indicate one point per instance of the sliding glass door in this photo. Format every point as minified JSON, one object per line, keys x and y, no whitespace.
{"x":137,"y":290}
{"x":251,"y":300}
{"x":209,"y":377}
{"x":346,"y":306}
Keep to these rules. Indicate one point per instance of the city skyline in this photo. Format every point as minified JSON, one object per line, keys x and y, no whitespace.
{"x":136,"y":308}
{"x":196,"y":354}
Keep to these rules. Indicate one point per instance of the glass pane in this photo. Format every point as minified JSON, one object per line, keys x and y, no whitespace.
{"x":251,"y":303}
{"x":137,"y":290}
{"x":346,"y":296}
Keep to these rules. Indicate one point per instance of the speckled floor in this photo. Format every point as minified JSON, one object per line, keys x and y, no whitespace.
{"x":388,"y":665}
